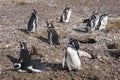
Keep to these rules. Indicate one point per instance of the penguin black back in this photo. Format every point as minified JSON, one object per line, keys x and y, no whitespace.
{"x":32,"y":25}
{"x":52,"y":34}
{"x":66,"y":14}
{"x":24,"y":53}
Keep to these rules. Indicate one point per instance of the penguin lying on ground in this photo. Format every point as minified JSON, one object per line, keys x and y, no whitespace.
{"x":97,"y":21}
{"x":32,"y":24}
{"x":53,"y":37}
{"x":73,"y":55}
{"x":66,"y":14}
{"x":25,"y":64}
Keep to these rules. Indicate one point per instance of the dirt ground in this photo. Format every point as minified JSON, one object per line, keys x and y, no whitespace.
{"x":14,"y":16}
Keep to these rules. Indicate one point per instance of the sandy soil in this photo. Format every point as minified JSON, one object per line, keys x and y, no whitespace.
{"x":14,"y":16}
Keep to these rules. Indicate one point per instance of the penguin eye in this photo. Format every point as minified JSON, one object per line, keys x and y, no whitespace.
{"x":16,"y":66}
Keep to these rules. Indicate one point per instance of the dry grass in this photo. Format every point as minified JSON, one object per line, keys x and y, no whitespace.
{"x":91,"y":1}
{"x":21,"y":2}
{"x":117,"y":45}
{"x":113,"y":25}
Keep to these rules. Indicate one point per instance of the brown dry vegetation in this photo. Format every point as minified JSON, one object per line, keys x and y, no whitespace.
{"x":114,"y":25}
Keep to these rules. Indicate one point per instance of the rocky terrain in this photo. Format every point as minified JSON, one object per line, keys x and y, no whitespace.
{"x":14,"y":16}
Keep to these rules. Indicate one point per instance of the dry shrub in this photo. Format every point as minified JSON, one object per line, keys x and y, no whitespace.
{"x":21,"y":2}
{"x":114,"y":25}
{"x":117,"y":45}
{"x":91,"y":1}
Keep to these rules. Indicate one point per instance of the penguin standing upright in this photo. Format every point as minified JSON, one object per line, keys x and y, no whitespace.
{"x":32,"y":24}
{"x":66,"y":14}
{"x":25,"y":64}
{"x":94,"y":20}
{"x":73,"y":55}
{"x":103,"y":21}
{"x":53,"y":37}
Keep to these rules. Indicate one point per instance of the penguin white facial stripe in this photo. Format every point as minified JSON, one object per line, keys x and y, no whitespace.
{"x":32,"y":69}
{"x":17,"y":64}
{"x":73,"y":44}
{"x":22,"y":45}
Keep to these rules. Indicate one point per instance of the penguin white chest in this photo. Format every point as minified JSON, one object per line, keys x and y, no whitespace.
{"x":34,"y":26}
{"x":73,"y":59}
{"x":104,"y":21}
{"x":68,"y":15}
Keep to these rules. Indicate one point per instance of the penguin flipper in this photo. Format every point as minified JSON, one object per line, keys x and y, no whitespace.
{"x":12,"y":59}
{"x":84,"y":54}
{"x":63,"y":63}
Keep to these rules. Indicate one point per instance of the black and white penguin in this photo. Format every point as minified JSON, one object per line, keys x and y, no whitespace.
{"x":25,"y":64}
{"x":73,"y":55}
{"x":103,"y":21}
{"x":66,"y":14}
{"x":32,"y":24}
{"x":53,"y":37}
{"x":94,"y":20}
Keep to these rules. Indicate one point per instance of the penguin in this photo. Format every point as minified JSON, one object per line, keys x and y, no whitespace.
{"x":66,"y":14}
{"x":73,"y":56}
{"x":103,"y":21}
{"x":32,"y":24}
{"x":53,"y":37}
{"x":24,"y":53}
{"x":25,"y":63}
{"x":94,"y":20}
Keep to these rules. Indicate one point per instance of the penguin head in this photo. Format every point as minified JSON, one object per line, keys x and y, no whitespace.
{"x":17,"y":65}
{"x":23,"y":45}
{"x":67,"y":7}
{"x":74,"y":43}
{"x":49,"y":24}
{"x":34,"y":12}
{"x":95,"y":12}
{"x":106,"y":14}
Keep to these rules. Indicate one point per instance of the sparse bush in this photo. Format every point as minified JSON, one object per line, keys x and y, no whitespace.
{"x":21,"y":2}
{"x":115,"y":45}
{"x":113,"y":25}
{"x":91,"y":1}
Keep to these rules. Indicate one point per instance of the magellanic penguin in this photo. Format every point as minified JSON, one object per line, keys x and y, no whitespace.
{"x":73,"y":55}
{"x":66,"y":14}
{"x":53,"y":37}
{"x":103,"y":21}
{"x":25,"y":64}
{"x":94,"y":20}
{"x":32,"y":24}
